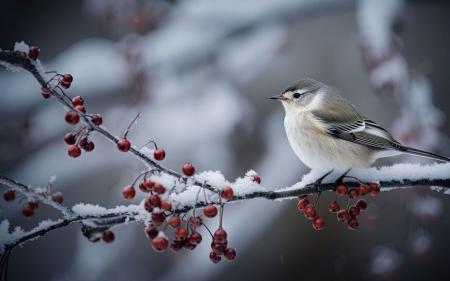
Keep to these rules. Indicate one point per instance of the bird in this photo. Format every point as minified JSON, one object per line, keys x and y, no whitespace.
{"x":327,"y":132}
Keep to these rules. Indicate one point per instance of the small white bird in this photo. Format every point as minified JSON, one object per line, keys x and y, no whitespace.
{"x":328,"y":133}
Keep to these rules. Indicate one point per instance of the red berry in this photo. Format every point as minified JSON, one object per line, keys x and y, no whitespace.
{"x":341,"y":189}
{"x":123,"y":145}
{"x":151,"y":231}
{"x":318,"y":223}
{"x":67,"y":78}
{"x":195,"y":221}
{"x":175,"y":221}
{"x":352,"y":224}
{"x":166,"y":205}
{"x":363,"y":189}
{"x":195,"y":238}
{"x":310,"y":211}
{"x":149,"y":184}
{"x":108,"y":236}
{"x":70,"y":138}
{"x":9,"y":195}
{"x":80,"y":108}
{"x":74,"y":151}
{"x":188,"y":169}
{"x":158,"y":218}
{"x":33,"y":204}
{"x":256,"y":179}
{"x":220,"y":235}
{"x":210,"y":211}
{"x":128,"y":192}
{"x":374,"y":188}
{"x":361,"y":204}
{"x":148,"y":206}
{"x":33,"y":52}
{"x":97,"y":119}
{"x":342,"y":215}
{"x":58,"y":197}
{"x":333,"y":207}
{"x":227,"y":193}
{"x":159,"y":188}
{"x":45,"y":93}
{"x":72,"y":117}
{"x":65,"y":85}
{"x":181,"y":233}
{"x":353,"y":193}
{"x":302,"y":203}
{"x":160,"y":244}
{"x":27,"y":211}
{"x":159,"y":154}
{"x":176,"y":245}
{"x":154,"y":200}
{"x":230,"y":254}
{"x":215,"y":258}
{"x":86,"y":144}
{"x":353,"y":211}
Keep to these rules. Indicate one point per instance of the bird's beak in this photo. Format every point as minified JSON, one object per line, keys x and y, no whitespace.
{"x":278,"y":97}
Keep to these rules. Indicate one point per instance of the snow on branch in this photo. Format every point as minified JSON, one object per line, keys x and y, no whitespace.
{"x":174,"y":196}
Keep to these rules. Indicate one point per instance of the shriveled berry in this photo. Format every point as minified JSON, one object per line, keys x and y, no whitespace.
{"x":80,"y":108}
{"x":9,"y":195}
{"x":160,"y":244}
{"x":353,"y":193}
{"x":363,"y":189}
{"x":87,"y":145}
{"x":181,"y":233}
{"x":188,"y":169}
{"x":352,"y":224}
{"x":108,"y":236}
{"x":310,"y":211}
{"x":353,"y":211}
{"x":175,"y":221}
{"x":128,"y":192}
{"x":28,"y":211}
{"x":33,"y":52}
{"x":256,"y":179}
{"x":58,"y":197}
{"x":195,"y":238}
{"x":361,"y":204}
{"x":342,"y":215}
{"x":219,"y":248}
{"x":227,"y":193}
{"x":166,"y":205}
{"x":159,"y":154}
{"x":176,"y":246}
{"x":302,"y":203}
{"x":230,"y":254}
{"x":215,"y":258}
{"x":341,"y":189}
{"x":318,"y":223}
{"x":333,"y":207}
{"x":188,"y":245}
{"x":97,"y":119}
{"x":195,"y":221}
{"x":154,"y":200}
{"x":70,"y":138}
{"x":148,"y":206}
{"x":158,"y":218}
{"x":74,"y":151}
{"x":151,"y":231}
{"x":210,"y":211}
{"x":220,"y":235}
{"x":72,"y":117}
{"x":67,"y":78}
{"x":159,"y":188}
{"x":374,"y":188}
{"x":123,"y":145}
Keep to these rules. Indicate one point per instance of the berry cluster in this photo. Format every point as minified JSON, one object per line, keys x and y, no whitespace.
{"x":32,"y":205}
{"x":348,"y":214}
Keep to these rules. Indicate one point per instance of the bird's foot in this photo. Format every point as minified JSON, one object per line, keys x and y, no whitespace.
{"x":340,"y":179}
{"x":319,"y":181}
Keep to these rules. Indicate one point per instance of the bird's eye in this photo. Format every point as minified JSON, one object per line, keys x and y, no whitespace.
{"x":296,"y":95}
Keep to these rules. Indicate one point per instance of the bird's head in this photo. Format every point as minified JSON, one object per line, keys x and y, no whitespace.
{"x":299,"y":94}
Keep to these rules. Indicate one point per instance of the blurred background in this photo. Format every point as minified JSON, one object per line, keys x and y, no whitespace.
{"x":200,"y":72}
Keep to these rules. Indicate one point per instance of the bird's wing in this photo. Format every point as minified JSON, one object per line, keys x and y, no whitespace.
{"x":342,"y":120}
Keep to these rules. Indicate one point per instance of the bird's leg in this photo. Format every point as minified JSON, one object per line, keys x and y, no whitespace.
{"x":341,"y":178}
{"x":318,"y":182}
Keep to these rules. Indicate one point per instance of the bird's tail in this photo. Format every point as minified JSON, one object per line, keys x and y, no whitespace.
{"x":418,"y":152}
